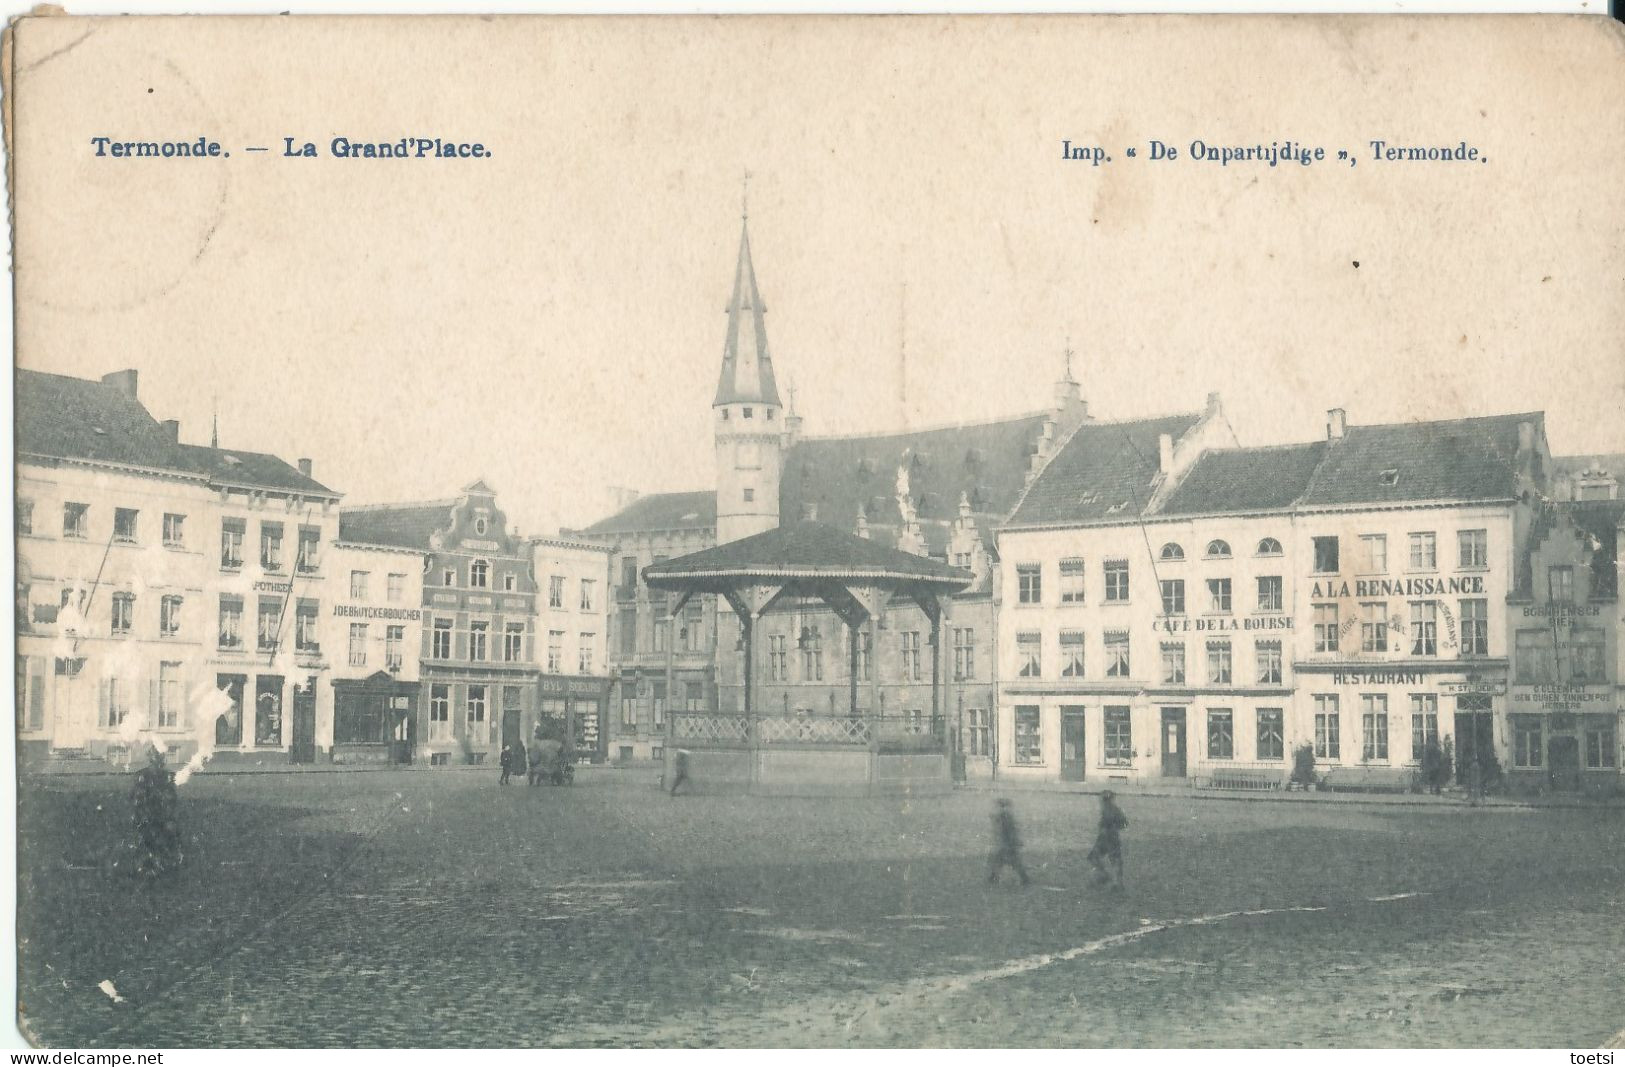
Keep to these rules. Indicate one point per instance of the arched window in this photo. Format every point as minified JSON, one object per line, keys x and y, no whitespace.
{"x":1269,"y":547}
{"x":1172,"y":551}
{"x":1218,"y":550}
{"x":479,"y":574}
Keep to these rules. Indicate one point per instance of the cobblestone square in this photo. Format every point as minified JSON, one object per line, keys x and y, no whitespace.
{"x":437,"y":908}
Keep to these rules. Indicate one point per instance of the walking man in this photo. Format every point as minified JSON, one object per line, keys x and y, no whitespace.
{"x":507,"y":764}
{"x":679,"y":770}
{"x":1006,"y":844}
{"x":1108,"y":848}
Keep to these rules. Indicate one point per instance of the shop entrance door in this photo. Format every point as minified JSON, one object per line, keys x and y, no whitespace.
{"x":401,"y":739}
{"x":512,"y":736}
{"x":1072,"y":762}
{"x":302,"y":746}
{"x":1563,"y":756}
{"x":1475,"y":744}
{"x":1173,"y":742}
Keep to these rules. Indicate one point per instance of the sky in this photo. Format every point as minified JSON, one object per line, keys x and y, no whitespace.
{"x":551,"y":318}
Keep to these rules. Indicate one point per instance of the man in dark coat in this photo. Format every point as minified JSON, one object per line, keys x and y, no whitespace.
{"x":1006,"y":844}
{"x":507,"y":764}
{"x":157,"y":826}
{"x":1109,"y":842}
{"x":679,"y":766}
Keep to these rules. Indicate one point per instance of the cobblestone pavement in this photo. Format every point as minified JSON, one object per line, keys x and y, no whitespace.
{"x":440,"y":909}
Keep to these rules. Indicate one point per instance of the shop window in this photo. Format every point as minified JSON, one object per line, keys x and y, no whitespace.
{"x":1424,"y":723}
{"x":268,"y":713}
{"x":1601,"y":750}
{"x":1526,"y":741}
{"x":1119,"y":736}
{"x":1374,"y":727}
{"x":440,"y":713}
{"x":1221,"y":734}
{"x":1029,"y":746}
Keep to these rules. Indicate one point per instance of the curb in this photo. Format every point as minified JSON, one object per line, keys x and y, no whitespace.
{"x":1277,"y":797}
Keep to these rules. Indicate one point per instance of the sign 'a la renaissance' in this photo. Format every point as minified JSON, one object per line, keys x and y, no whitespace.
{"x":1466,"y":585}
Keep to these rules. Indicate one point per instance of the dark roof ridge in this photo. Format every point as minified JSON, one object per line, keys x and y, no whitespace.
{"x":402,"y":505}
{"x":1530,"y":415}
{"x":1259,"y":448}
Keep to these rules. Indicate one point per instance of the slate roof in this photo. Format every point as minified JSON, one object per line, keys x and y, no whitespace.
{"x":1104,"y":469}
{"x":399,"y":525}
{"x":747,"y":366}
{"x":659,"y":511}
{"x":804,"y":550}
{"x":75,"y":418}
{"x":1449,"y":459}
{"x":843,"y":476}
{"x":1245,"y":479}
{"x":72,"y":418}
{"x":233,"y":466}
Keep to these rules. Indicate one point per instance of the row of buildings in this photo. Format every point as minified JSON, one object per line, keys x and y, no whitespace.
{"x":224,"y":601}
{"x":1147,"y":598}
{"x":1150,"y":599}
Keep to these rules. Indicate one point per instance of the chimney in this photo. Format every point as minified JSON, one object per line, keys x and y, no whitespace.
{"x":172,"y":430}
{"x":1526,"y":436}
{"x":304,"y":467}
{"x":1212,"y":405}
{"x":1165,"y":452}
{"x":1336,"y":424}
{"x":122,"y":380}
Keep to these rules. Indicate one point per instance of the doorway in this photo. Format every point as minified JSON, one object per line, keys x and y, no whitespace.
{"x":1173,"y":742}
{"x":1563,"y":758}
{"x":302,"y":747}
{"x":1475,"y":742}
{"x":1072,"y":761}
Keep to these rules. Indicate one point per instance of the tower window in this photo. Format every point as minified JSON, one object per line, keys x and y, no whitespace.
{"x":724,"y":414}
{"x":769,"y":414}
{"x":750,"y":413}
{"x":750,"y":495}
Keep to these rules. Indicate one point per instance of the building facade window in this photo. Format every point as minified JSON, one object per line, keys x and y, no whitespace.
{"x":479,"y":575}
{"x":308,"y":558}
{"x":1029,"y":583}
{"x":174,"y":530}
{"x":1526,"y":741}
{"x":1271,"y":734}
{"x":1029,"y":655}
{"x":1171,"y":553}
{"x":588,"y":597}
{"x":169,"y":696}
{"x":1270,"y":593}
{"x":448,"y":577}
{"x":911,"y":655}
{"x":1600,"y":746}
{"x":1474,"y":549}
{"x":358,"y":585}
{"x":1325,"y":622}
{"x":1269,"y":546}
{"x":964,"y":653}
{"x":1374,"y":549}
{"x":1221,"y":734}
{"x":1424,"y":723}
{"x":1173,"y":596}
{"x":626,"y":623}
{"x":1267,"y":654}
{"x":555,"y":591}
{"x":1218,"y":550}
{"x":584,"y":656}
{"x":1560,"y":584}
{"x":1072,"y":581}
{"x":1586,"y":655}
{"x":231,"y":622}
{"x":358,"y":644}
{"x":1536,"y":657}
{"x":25,"y":517}
{"x":1116,"y":571}
{"x":1374,"y":727}
{"x":271,"y":546}
{"x":1218,"y":663}
{"x":1374,"y":626}
{"x":812,"y":655}
{"x":395,"y":587}
{"x":169,"y":616}
{"x":1029,"y":740}
{"x":75,"y":520}
{"x":1326,"y":561}
{"x":394,"y":639}
{"x":1117,"y":659}
{"x":1071,"y":653}
{"x":1173,"y":664}
{"x":232,"y":532}
{"x":1424,"y":551}
{"x":123,"y":613}
{"x":629,"y":711}
{"x":866,"y":655}
{"x":555,"y":651}
{"x":1119,"y":736}
{"x":268,"y":624}
{"x":778,"y":658}
{"x":125,"y":525}
{"x":978,"y":733}
{"x":1475,"y":627}
{"x":1218,"y":596}
{"x":1424,"y":628}
{"x":513,"y":642}
{"x":478,"y":634}
{"x":476,"y":711}
{"x":440,"y":639}
{"x":1328,"y":727}
{"x":305,"y":621}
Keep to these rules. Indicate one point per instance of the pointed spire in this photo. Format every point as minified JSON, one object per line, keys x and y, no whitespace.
{"x":214,"y":432}
{"x":747,"y":368}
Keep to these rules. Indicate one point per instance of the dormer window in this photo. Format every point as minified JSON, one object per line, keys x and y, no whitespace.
{"x":724,"y":414}
{"x":1389,"y":476}
{"x":769,"y":414}
{"x":750,"y":413}
{"x":480,"y":526}
{"x":1269,"y":546}
{"x":1172,"y":552}
{"x":1218,"y":550}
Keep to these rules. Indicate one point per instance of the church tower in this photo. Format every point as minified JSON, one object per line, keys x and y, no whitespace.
{"x":747,"y":417}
